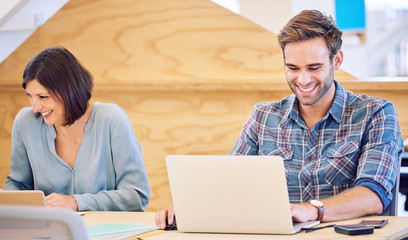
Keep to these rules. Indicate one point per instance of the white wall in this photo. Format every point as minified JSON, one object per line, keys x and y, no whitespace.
{"x":20,"y":18}
{"x":274,"y":14}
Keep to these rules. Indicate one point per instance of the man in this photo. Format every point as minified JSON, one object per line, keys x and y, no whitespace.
{"x":341,"y":150}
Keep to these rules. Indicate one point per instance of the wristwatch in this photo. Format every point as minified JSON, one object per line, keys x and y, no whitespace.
{"x":320,"y":209}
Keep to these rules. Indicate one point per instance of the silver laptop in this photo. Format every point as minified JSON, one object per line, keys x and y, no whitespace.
{"x":23,"y":197}
{"x":231,"y":194}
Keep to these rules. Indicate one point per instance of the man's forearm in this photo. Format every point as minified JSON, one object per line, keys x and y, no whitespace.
{"x":355,"y":202}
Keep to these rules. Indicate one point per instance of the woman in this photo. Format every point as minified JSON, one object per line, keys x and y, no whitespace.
{"x":82,"y":155}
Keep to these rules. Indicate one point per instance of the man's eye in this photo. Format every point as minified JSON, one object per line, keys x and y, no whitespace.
{"x":314,"y":68}
{"x":293,"y":69}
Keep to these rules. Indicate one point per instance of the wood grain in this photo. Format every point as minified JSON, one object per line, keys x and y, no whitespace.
{"x":155,"y":42}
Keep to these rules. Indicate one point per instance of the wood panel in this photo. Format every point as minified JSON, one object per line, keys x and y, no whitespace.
{"x":11,"y":102}
{"x":175,"y":122}
{"x":157,"y":44}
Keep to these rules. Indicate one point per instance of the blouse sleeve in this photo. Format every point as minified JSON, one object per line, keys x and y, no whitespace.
{"x":20,"y":177}
{"x":132,"y":191}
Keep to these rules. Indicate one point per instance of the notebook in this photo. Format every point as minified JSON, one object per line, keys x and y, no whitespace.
{"x":23,"y":197}
{"x":231,"y":194}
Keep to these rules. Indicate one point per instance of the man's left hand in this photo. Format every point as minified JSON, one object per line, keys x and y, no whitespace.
{"x":303,"y":212}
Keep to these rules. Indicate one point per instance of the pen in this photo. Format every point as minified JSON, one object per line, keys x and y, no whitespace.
{"x":317,"y":228}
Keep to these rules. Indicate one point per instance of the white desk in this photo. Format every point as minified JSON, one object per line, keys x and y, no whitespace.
{"x":395,"y":229}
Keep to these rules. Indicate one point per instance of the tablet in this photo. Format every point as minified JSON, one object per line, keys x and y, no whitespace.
{"x":22,"y":197}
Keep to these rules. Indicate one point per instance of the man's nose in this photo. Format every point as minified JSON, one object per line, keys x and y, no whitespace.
{"x":304,"y":78}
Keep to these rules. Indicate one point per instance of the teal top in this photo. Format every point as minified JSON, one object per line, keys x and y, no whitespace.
{"x":109,"y":172}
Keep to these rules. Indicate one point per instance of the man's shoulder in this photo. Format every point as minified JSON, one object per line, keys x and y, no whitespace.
{"x":282,"y":105}
{"x":273,"y":111}
{"x":357,"y":101}
{"x":365,"y":101}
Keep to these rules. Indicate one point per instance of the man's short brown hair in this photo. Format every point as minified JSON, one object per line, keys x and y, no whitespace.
{"x":310,"y":24}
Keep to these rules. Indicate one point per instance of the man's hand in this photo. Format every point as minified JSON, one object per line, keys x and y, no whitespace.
{"x":161,"y":216}
{"x":355,"y":202}
{"x":303,"y":212}
{"x":55,"y":200}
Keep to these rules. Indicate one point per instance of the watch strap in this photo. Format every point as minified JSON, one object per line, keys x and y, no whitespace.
{"x":320,"y":213}
{"x":320,"y":208}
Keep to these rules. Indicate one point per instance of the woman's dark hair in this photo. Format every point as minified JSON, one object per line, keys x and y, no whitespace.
{"x":61,"y":73}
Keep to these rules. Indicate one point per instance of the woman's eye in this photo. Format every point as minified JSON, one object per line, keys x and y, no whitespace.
{"x":43,"y":97}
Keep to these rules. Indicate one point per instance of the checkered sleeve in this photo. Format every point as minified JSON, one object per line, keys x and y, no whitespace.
{"x":247,"y":142}
{"x":382,"y":147}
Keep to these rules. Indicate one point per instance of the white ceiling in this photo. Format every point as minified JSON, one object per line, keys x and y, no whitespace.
{"x":20,"y":18}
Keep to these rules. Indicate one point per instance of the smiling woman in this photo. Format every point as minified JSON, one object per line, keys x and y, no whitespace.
{"x":43,"y":103}
{"x":57,"y":70}
{"x":82,"y":155}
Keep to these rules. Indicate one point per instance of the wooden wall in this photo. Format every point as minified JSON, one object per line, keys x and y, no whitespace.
{"x":187,"y":73}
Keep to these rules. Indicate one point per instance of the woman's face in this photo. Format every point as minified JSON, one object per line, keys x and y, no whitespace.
{"x":44,"y":103}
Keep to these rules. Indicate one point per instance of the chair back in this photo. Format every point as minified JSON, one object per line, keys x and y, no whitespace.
{"x":29,"y":222}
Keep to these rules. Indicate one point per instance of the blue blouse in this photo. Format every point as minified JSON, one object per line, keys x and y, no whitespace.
{"x":109,"y":172}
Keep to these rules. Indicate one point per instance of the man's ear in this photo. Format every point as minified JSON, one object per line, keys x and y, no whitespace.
{"x":338,"y":60}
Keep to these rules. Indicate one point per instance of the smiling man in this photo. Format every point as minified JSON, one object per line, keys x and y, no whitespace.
{"x":341,"y":150}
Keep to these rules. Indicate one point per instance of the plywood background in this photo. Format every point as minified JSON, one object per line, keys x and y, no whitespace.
{"x":187,"y":73}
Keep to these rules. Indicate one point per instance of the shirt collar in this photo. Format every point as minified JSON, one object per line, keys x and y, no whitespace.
{"x":336,"y":109}
{"x":294,"y":108}
{"x":339,"y":103}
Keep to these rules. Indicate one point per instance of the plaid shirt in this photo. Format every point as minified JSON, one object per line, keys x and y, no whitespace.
{"x":358,"y":139}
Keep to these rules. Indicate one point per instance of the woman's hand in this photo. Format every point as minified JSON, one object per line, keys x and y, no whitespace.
{"x":55,"y":200}
{"x":162,"y":215}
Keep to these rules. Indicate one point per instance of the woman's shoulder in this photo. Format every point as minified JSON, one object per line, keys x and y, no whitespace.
{"x":26,"y":119}
{"x":106,"y":107}
{"x":27,"y":115}
{"x":108,"y":111}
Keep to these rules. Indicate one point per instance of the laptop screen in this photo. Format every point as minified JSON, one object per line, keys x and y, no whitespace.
{"x":230,"y":194}
{"x":22,"y":197}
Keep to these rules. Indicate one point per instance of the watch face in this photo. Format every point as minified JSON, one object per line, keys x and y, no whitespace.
{"x":316,"y":203}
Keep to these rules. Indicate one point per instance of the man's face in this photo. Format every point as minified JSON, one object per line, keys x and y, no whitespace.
{"x":309,"y":71}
